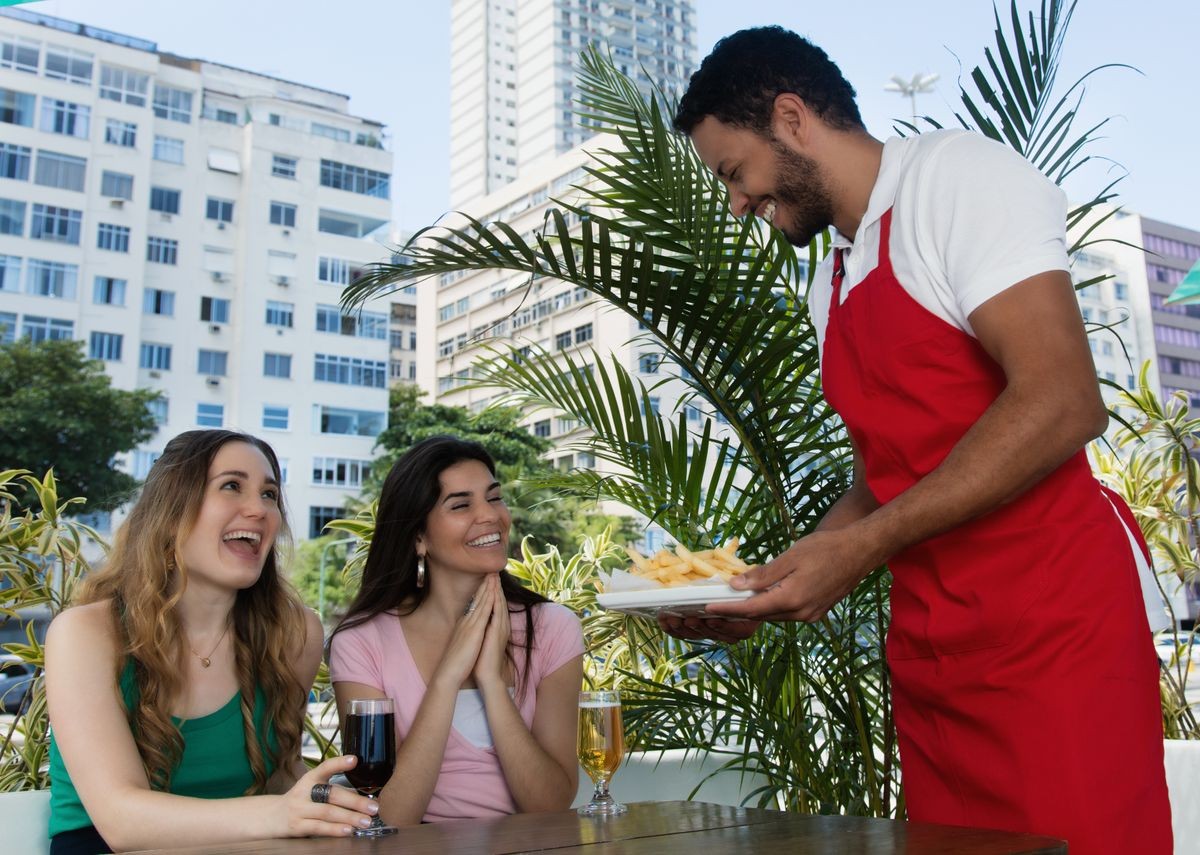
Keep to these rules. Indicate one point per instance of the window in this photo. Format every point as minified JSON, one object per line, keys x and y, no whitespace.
{"x":105,"y":346}
{"x":120,"y":133}
{"x":60,"y":170}
{"x":57,"y":224}
{"x":359,"y":324}
{"x":16,"y":108}
{"x":220,"y":210}
{"x":173,"y":104}
{"x":283,"y":167}
{"x":107,"y":291}
{"x":116,"y":185}
{"x":143,"y":461}
{"x":168,"y":149}
{"x":277,"y":365}
{"x":337,"y":420}
{"x":319,"y":517}
{"x":156,"y":357}
{"x":14,"y":161}
{"x":158,"y":409}
{"x":339,"y":134}
{"x":412,"y":340}
{"x":562,"y":341}
{"x":8,"y":327}
{"x":274,"y":418}
{"x":210,"y":415}
{"x":19,"y":54}
{"x":1120,"y":291}
{"x":329,"y":319}
{"x":68,"y":64}
{"x":356,"y":179}
{"x":158,"y":302}
{"x":214,"y":310}
{"x":124,"y":86}
{"x":340,"y":471}
{"x":648,"y":363}
{"x":12,"y":217}
{"x":279,"y":314}
{"x":65,"y":117}
{"x":51,"y":279}
{"x":164,"y":199}
{"x":583,"y":333}
{"x":10,"y":273}
{"x":38,"y":329}
{"x":336,"y":271}
{"x":350,"y":371}
{"x":283,"y":214}
{"x":112,"y":238}
{"x":542,"y":428}
{"x":212,"y":362}
{"x":162,"y":250}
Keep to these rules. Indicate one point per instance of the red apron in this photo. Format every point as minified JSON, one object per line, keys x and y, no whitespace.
{"x":1025,"y":682}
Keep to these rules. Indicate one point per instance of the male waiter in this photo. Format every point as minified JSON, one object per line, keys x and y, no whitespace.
{"x":1025,"y":683}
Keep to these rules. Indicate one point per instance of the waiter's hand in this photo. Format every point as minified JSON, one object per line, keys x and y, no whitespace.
{"x":701,"y":628}
{"x":803,"y":583}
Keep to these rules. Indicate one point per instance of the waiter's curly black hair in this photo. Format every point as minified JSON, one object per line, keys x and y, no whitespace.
{"x":738,"y":82}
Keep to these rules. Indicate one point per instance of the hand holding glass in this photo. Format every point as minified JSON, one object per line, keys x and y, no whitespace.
{"x":371,"y":737}
{"x":601,"y":748}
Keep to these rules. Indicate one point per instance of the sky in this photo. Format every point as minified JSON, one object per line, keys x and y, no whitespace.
{"x":392,"y":57}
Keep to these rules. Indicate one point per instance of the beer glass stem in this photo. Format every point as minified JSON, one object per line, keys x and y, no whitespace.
{"x":600,"y":795}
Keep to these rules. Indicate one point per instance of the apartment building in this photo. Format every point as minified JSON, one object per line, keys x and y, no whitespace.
{"x":195,"y":224}
{"x":513,"y":76}
{"x":1171,"y":251}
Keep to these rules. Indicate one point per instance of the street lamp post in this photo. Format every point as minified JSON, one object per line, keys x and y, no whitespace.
{"x":909,"y":88}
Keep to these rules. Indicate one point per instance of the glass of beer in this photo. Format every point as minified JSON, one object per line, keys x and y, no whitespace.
{"x":601,"y":748}
{"x":371,"y":737}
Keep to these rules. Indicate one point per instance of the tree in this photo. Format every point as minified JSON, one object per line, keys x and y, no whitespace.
{"x":60,"y":411}
{"x":538,"y":512}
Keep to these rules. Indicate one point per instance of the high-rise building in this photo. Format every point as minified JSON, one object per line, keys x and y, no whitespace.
{"x":195,"y":224}
{"x":513,"y":67}
{"x":1170,"y":252}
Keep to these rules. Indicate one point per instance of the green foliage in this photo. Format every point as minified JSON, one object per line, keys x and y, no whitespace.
{"x":325,"y":588}
{"x":1155,"y":467}
{"x":60,"y":411}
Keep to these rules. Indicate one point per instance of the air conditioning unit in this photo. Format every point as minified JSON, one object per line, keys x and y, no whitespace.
{"x":166,"y":218}
{"x":221,"y":226}
{"x":219,"y":276}
{"x":213,"y":381}
{"x":116,"y":203}
{"x":156,"y":374}
{"x":283,"y":280}
{"x":214,"y":327}
{"x":287,"y":231}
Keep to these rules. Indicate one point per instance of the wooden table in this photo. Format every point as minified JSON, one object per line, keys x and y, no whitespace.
{"x":663,"y":828}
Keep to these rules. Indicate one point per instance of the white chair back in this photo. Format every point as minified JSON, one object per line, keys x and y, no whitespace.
{"x":25,"y":822}
{"x":1182,"y":760}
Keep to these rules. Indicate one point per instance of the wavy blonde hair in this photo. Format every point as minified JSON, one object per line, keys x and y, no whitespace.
{"x":144,"y":579}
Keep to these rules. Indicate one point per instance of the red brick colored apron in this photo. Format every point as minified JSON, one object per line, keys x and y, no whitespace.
{"x":1025,"y":682}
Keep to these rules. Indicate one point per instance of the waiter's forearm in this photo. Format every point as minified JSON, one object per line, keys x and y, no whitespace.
{"x":855,"y":504}
{"x":1021,"y":438}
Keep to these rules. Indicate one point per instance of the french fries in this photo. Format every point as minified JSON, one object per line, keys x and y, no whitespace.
{"x":683,"y":566}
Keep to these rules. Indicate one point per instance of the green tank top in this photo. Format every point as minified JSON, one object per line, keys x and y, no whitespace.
{"x":214,"y":764}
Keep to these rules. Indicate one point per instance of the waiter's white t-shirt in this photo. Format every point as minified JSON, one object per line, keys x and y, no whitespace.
{"x":970,"y":219}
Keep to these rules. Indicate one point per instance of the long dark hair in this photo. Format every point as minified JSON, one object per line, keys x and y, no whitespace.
{"x":144,"y":579}
{"x":410,"y":493}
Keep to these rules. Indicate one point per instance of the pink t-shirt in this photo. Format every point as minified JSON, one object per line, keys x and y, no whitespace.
{"x":471,"y":783}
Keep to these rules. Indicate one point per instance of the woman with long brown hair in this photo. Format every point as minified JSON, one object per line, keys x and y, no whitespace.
{"x":485,"y":674}
{"x":177,"y":683}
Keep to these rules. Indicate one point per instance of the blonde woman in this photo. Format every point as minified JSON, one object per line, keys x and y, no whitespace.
{"x":177,"y":685}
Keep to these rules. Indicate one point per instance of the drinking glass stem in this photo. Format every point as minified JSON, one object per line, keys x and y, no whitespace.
{"x":600,"y":794}
{"x":376,"y":822}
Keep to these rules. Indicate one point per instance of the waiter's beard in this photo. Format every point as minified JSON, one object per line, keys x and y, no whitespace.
{"x":800,"y":190}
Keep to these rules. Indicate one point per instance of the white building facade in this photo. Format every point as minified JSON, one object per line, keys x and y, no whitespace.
{"x":195,"y":224}
{"x":513,"y":67}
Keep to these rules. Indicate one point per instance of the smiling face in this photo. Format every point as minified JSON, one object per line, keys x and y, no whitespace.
{"x":767,"y":179}
{"x":238,"y":520}
{"x":467,"y":530}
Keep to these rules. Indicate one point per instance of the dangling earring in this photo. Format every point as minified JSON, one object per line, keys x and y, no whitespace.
{"x":420,"y":571}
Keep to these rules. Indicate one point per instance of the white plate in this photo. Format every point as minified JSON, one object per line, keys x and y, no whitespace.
{"x":680,"y":602}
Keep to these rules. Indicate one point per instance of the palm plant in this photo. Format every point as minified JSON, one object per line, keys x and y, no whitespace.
{"x":651,"y":234}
